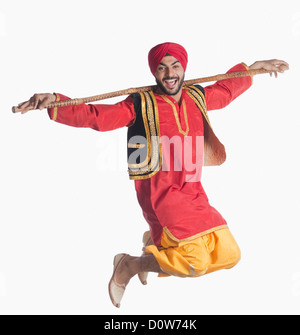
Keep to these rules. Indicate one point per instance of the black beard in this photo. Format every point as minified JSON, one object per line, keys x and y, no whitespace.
{"x":160,"y":85}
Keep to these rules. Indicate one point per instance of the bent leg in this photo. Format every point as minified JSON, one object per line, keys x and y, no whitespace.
{"x":225,"y":252}
{"x":211,"y":252}
{"x":205,"y":254}
{"x":215,"y":251}
{"x":181,"y":259}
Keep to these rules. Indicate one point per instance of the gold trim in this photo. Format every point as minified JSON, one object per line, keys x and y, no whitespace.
{"x":153,"y":138}
{"x":146,"y":161}
{"x":246,"y":66}
{"x":199,"y":101}
{"x":148,"y":131}
{"x":185,"y":133}
{"x":54,"y":116}
{"x":200,"y":107}
{"x":201,"y":95}
{"x":153,"y":144}
{"x":208,"y":231}
{"x":157,"y":128}
{"x":133,"y":177}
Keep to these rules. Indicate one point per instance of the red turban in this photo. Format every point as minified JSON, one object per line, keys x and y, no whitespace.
{"x":157,"y":53}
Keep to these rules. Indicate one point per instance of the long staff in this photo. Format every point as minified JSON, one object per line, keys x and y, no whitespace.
{"x":79,"y":101}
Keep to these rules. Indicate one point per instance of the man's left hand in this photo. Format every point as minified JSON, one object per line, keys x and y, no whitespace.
{"x":274,"y":65}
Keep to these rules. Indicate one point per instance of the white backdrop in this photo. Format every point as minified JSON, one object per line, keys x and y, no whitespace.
{"x":65,"y":212}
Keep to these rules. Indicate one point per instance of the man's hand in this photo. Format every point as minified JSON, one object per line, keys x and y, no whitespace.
{"x":274,"y":65}
{"x":38,"y":101}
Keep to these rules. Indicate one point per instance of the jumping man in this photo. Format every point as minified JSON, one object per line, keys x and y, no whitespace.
{"x":169,"y":139}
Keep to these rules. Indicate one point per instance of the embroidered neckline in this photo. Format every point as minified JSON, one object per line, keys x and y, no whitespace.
{"x":185,"y":133}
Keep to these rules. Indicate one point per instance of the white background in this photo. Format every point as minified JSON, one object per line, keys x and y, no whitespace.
{"x":67,"y":205}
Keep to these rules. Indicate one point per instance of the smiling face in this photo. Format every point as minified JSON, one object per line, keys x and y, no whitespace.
{"x":169,"y":76}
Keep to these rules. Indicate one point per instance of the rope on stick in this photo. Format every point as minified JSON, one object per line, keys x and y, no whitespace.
{"x":79,"y":101}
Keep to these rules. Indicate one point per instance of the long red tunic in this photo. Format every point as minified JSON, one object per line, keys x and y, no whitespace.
{"x":172,"y":200}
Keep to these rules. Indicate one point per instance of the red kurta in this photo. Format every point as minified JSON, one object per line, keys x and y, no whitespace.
{"x":172,"y":200}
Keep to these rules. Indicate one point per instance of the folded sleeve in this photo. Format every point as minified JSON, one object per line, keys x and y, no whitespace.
{"x":100,"y":117}
{"x":223,"y":92}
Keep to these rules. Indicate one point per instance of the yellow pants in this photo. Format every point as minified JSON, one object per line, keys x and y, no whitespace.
{"x":214,"y":251}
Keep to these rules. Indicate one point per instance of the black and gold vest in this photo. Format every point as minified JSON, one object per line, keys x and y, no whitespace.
{"x":143,"y":137}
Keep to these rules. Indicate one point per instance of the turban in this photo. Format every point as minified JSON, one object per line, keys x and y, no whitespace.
{"x":157,"y":53}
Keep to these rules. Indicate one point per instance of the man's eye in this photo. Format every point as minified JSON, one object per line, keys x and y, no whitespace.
{"x":160,"y":68}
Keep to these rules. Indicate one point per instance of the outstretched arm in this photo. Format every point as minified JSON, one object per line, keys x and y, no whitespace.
{"x":101,"y":117}
{"x":223,"y":92}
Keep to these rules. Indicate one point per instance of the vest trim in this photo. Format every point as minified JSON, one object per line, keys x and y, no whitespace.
{"x":144,"y":147}
{"x":199,"y":99}
{"x":151,"y":149}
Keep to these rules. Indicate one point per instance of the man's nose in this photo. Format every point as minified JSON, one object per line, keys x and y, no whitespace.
{"x":170,"y":72}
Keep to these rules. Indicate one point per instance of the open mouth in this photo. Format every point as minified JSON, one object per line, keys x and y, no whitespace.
{"x":170,"y":83}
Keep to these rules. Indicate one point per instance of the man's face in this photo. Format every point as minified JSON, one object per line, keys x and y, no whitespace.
{"x":169,"y":75}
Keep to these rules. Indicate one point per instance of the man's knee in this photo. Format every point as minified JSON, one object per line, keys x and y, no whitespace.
{"x":197,"y":258}
{"x":227,"y":252}
{"x":234,"y":256}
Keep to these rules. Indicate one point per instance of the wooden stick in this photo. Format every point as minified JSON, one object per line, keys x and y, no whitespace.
{"x":73,"y":102}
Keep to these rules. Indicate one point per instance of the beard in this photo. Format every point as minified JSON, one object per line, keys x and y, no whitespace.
{"x":167,"y":91}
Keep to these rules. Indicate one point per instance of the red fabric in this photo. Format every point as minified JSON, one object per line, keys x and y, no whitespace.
{"x":166,"y":199}
{"x":157,"y":53}
{"x":100,"y":117}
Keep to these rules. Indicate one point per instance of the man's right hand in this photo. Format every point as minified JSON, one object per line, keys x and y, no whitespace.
{"x":37,"y":101}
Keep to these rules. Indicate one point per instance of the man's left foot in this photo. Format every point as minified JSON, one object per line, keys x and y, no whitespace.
{"x":116,"y":290}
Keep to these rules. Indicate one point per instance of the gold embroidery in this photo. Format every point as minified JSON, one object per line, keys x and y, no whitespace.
{"x":157,"y":129}
{"x":185,"y":133}
{"x":199,"y":101}
{"x":150,"y":119}
{"x":154,"y":140}
{"x":201,"y":95}
{"x":144,"y":115}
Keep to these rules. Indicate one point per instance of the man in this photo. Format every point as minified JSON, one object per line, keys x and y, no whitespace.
{"x":168,"y":131}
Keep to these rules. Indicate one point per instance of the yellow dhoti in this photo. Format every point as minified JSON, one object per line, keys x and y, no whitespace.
{"x":211,"y":252}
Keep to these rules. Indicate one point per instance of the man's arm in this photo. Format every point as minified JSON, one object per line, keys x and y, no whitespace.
{"x":223,"y":92}
{"x":100,"y":117}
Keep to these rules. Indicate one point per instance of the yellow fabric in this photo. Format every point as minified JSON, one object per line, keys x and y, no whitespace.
{"x":214,"y":251}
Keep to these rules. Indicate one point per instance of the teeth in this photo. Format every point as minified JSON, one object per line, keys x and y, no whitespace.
{"x":170,"y":82}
